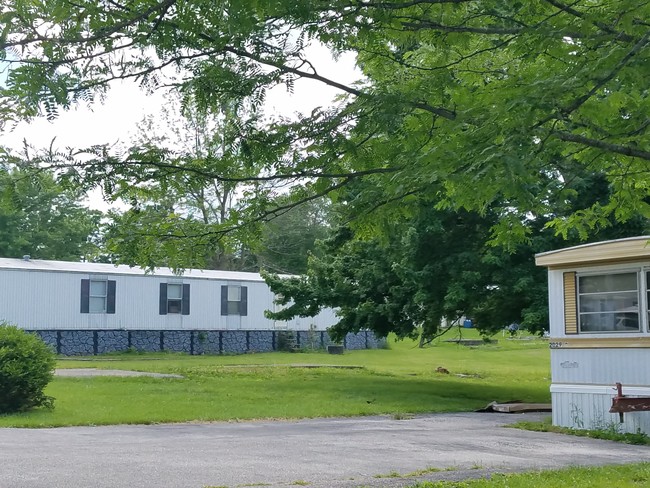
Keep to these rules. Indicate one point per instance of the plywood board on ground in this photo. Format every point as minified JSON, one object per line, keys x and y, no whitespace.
{"x":521,"y":407}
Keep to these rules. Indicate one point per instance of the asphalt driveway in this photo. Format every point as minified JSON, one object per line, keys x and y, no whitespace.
{"x":323,"y":453}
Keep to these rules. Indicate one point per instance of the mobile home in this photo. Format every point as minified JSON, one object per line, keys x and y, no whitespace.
{"x":86,"y":308}
{"x":599,"y":296}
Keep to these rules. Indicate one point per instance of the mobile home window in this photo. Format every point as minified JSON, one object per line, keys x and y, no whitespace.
{"x":98,"y":296}
{"x":647,"y":302}
{"x":234,"y":300}
{"x":174,"y":298}
{"x":609,"y":302}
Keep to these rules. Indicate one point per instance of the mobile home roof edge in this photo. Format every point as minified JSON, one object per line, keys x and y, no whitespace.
{"x":618,"y":250}
{"x":112,"y":269}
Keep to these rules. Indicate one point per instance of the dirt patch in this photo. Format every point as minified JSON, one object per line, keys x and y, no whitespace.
{"x":293,"y":365}
{"x":83,"y":372}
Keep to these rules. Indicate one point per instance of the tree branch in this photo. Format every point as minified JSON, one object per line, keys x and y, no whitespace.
{"x":607,"y":146}
{"x":601,"y":82}
{"x":101,"y":34}
{"x":427,"y":24}
{"x":604,"y":27}
{"x":176,"y":169}
{"x":442,"y":112}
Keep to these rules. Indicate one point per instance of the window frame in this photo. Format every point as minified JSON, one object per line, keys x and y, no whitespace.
{"x":645,"y":297}
{"x":104,"y":297}
{"x":641,"y":312}
{"x":109,"y":296}
{"x":183,"y":302}
{"x":175,"y":304}
{"x":234,"y":307}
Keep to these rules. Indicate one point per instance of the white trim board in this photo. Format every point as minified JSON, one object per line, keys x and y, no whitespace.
{"x":600,"y":389}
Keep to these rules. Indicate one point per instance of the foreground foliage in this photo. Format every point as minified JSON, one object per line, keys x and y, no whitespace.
{"x":466,"y":104}
{"x":503,"y":114}
{"x":26,"y":366}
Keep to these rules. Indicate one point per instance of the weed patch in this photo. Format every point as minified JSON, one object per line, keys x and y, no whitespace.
{"x":631,"y":475}
{"x":609,"y":433}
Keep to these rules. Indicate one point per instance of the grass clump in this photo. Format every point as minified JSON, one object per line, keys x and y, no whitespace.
{"x":626,"y":476}
{"x":609,"y":432}
{"x":413,"y":474}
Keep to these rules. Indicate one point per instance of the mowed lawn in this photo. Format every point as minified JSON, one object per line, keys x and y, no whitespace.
{"x":398,"y":381}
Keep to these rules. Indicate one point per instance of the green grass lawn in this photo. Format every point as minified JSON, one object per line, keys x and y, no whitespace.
{"x":398,"y":380}
{"x":627,"y":476}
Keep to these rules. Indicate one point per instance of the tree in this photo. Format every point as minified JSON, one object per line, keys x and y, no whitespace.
{"x":173,"y":210}
{"x":41,"y":218}
{"x":434,"y":264}
{"x":494,"y":113}
{"x":474,"y":104}
{"x":287,"y":240}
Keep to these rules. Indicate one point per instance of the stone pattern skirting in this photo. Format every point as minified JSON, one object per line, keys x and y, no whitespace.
{"x":89,"y":342}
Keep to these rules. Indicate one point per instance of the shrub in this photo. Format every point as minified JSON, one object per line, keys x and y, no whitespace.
{"x":286,"y":341}
{"x":26,"y":367}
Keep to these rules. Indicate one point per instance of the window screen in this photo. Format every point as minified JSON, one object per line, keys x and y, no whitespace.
{"x":609,"y":303}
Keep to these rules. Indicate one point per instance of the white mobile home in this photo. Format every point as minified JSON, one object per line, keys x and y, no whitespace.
{"x":41,"y":295}
{"x":599,"y":298}
{"x":86,"y":308}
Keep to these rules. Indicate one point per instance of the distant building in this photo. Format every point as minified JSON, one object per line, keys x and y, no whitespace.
{"x":86,"y":308}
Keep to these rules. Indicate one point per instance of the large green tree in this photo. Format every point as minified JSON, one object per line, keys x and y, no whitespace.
{"x":41,"y":218}
{"x":474,"y":104}
{"x":435,"y":264}
{"x":287,"y":240}
{"x":175,"y":204}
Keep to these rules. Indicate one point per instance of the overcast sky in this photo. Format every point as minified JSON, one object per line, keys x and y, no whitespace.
{"x":126,"y":105}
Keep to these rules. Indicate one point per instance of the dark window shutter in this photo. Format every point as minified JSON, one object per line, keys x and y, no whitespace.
{"x":110,"y":296}
{"x":243,"y":305}
{"x":185,"y":301}
{"x":163,"y":299}
{"x":85,"y":296}
{"x":224,"y":300}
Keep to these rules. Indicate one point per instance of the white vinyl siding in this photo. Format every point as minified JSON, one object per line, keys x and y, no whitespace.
{"x":46,"y":300}
{"x":590,"y":410}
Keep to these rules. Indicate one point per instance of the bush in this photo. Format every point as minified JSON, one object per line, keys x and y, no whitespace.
{"x":286,"y":341}
{"x":26,"y":367}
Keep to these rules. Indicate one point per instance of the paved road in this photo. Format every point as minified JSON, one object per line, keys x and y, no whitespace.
{"x":323,"y":453}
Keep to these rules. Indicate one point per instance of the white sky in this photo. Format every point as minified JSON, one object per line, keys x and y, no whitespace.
{"x":126,"y":105}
